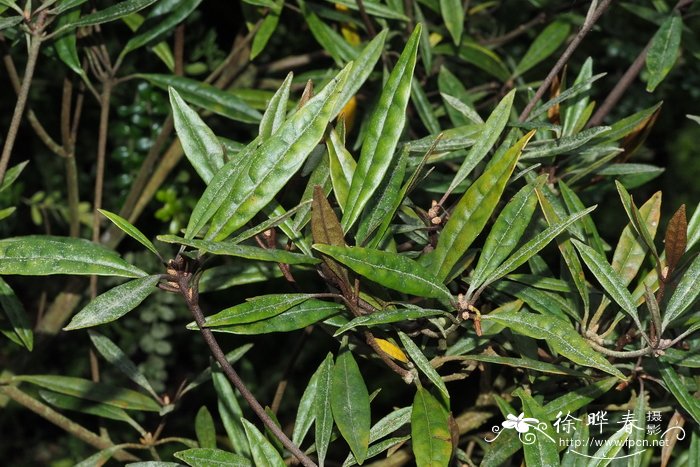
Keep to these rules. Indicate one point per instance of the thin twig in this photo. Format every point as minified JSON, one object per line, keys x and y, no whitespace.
{"x":70,"y":166}
{"x":620,"y":354}
{"x":588,"y":24}
{"x":365,"y":18}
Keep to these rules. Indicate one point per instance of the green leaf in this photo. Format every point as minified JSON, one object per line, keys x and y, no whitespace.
{"x":544,"y":450}
{"x":636,"y":219}
{"x":202,"y":148}
{"x":246,"y":184}
{"x":342,"y":167}
{"x":685,"y":294}
{"x":453,"y":16}
{"x":425,"y":110}
{"x":306,"y":413}
{"x":574,"y":204}
{"x":66,"y":45}
{"x":506,"y":232}
{"x":255,"y":309}
{"x":206,"y":96}
{"x":11,"y":175}
{"x":331,"y":41}
{"x":373,"y":8}
{"x":430,"y":431}
{"x":563,"y":145}
{"x":663,"y":50}
{"x":526,"y":363}
{"x":10,"y":22}
{"x":263,"y":452}
{"x":276,"y":111}
{"x":322,"y":408}
{"x":262,"y":37}
{"x":473,"y":211}
{"x":204,"y":428}
{"x":43,"y":255}
{"x":110,"y":13}
{"x":350,"y":404}
{"x":99,"y":392}
{"x":609,"y":279}
{"x":97,"y":409}
{"x":580,"y":397}
{"x":114,"y":303}
{"x":389,"y":269}
{"x":229,"y":248}
{"x":377,"y":448}
{"x":559,"y":334}
{"x":129,"y":229}
{"x":574,"y":114}
{"x":387,"y":317}
{"x":384,"y":129}
{"x":610,"y":448}
{"x":297,"y":317}
{"x":230,"y":412}
{"x":209,"y":457}
{"x":161,"y":49}
{"x":544,"y":45}
{"x":15,"y":313}
{"x":488,"y":135}
{"x":482,"y":58}
{"x":119,"y":359}
{"x":155,"y":28}
{"x":423,"y":364}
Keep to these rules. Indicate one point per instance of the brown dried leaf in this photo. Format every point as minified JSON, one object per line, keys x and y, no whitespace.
{"x":671,"y":437}
{"x":326,"y":229}
{"x":554,"y":91}
{"x":676,"y":239}
{"x":636,"y":137}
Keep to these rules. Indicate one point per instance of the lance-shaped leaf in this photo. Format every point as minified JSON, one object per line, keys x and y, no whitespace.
{"x":473,"y":211}
{"x":204,"y":428}
{"x":322,"y":408}
{"x":609,"y":279}
{"x":114,"y":303}
{"x":430,"y":431}
{"x":564,"y":144}
{"x":544,"y":45}
{"x":242,"y":188}
{"x":544,"y":450}
{"x":341,"y":167}
{"x":532,"y":247}
{"x":12,"y":175}
{"x":332,"y":42}
{"x":43,"y":255}
{"x":110,"y":13}
{"x":636,"y":219}
{"x":423,"y":364}
{"x":129,"y":229}
{"x":257,"y":308}
{"x":383,"y":131}
{"x":676,"y":238}
{"x":488,"y":135}
{"x":99,"y":392}
{"x":679,"y":389}
{"x":66,"y":45}
{"x":574,"y":204}
{"x":559,"y":334}
{"x":201,"y":146}
{"x":453,"y":17}
{"x":306,"y":413}
{"x":389,"y":269}
{"x":374,"y":8}
{"x":663,"y":50}
{"x":685,"y":294}
{"x":116,"y":356}
{"x":16,"y":315}
{"x":263,"y":452}
{"x":229,"y":248}
{"x":350,"y":404}
{"x":276,"y":112}
{"x":389,"y":316}
{"x":230,"y":412}
{"x":210,"y":457}
{"x":506,"y":232}
{"x":206,"y":96}
{"x":265,"y":31}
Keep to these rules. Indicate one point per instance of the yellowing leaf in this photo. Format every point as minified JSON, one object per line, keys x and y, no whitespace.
{"x":392,"y":350}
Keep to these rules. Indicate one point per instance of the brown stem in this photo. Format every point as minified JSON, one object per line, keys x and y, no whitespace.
{"x":191,"y":296}
{"x":365,"y":18}
{"x":33,"y":54}
{"x":70,"y":165}
{"x":179,"y":50}
{"x":63,"y":422}
{"x":510,"y":35}
{"x":585,"y":29}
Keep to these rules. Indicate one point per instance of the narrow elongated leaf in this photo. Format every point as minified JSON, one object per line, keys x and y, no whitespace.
{"x":663,"y":50}
{"x":15,"y":313}
{"x":66,"y":45}
{"x":384,"y":129}
{"x":423,"y":364}
{"x":610,"y":448}
{"x":263,"y":452}
{"x":564,"y":144}
{"x":636,"y":219}
{"x":544,"y":45}
{"x":473,"y":211}
{"x":129,"y":229}
{"x":99,"y":392}
{"x":257,"y":308}
{"x":43,"y":255}
{"x":573,"y":114}
{"x":161,"y":49}
{"x":490,"y":132}
{"x":230,"y":413}
{"x":453,"y":16}
{"x":609,"y":279}
{"x":205,"y":429}
{"x":209,"y":457}
{"x":119,"y":359}
{"x":350,"y":404}
{"x":580,"y":397}
{"x":245,"y":185}
{"x":276,"y":112}
{"x":676,"y":238}
{"x":12,"y":175}
{"x":373,"y":8}
{"x":342,"y":167}
{"x":202,"y":148}
{"x":110,"y":13}
{"x":559,"y":334}
{"x":206,"y":96}
{"x":526,"y":363}
{"x":156,"y":28}
{"x":388,"y":316}
{"x":430,"y":431}
{"x":532,"y":247}
{"x":543,"y":451}
{"x":322,"y":408}
{"x":265,"y":31}
{"x":65,"y":402}
{"x":574,"y":204}
{"x":228,"y":248}
{"x":506,"y":232}
{"x":297,"y":317}
{"x":306,"y":413}
{"x":331,"y":41}
{"x":685,"y":294}
{"x":389,"y":269}
{"x":114,"y":303}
